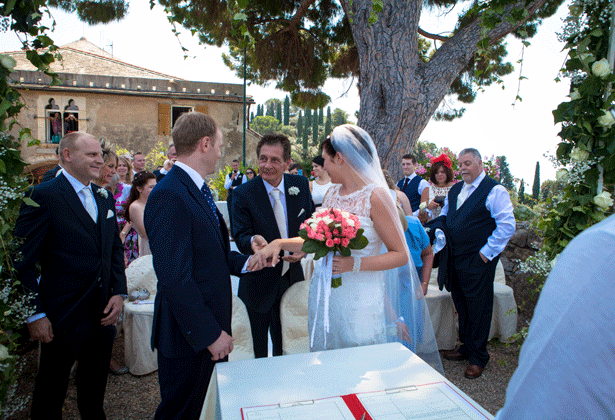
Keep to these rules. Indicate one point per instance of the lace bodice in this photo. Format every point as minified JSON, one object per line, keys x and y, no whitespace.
{"x":357,"y":202}
{"x":434,"y":192}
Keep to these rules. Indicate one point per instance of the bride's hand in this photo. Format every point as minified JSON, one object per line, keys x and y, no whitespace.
{"x":403,"y":332}
{"x":270,"y":253}
{"x":342,"y":264}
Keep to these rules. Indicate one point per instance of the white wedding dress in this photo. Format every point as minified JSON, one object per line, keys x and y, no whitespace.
{"x":356,"y":315}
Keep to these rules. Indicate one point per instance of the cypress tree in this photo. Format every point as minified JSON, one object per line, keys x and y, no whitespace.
{"x":305,"y":137}
{"x":506,"y":178}
{"x":286,"y":111}
{"x":308,"y":118}
{"x":321,"y":118}
{"x":299,"y":125}
{"x":270,"y":111}
{"x":522,"y":192}
{"x":536,"y":186}
{"x":315,"y":129}
{"x":279,"y":113}
{"x":328,"y":127}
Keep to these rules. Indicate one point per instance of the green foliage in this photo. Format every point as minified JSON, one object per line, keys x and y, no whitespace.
{"x":522,"y":191}
{"x":287,"y":110}
{"x":300,"y":125}
{"x":587,"y":147}
{"x":156,"y":156}
{"x":328,"y":127}
{"x":536,"y":185}
{"x":550,"y":189}
{"x":216,"y":183}
{"x":339,"y":117}
{"x":266,"y":124}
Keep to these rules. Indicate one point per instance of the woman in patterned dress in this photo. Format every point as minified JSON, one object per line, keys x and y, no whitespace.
{"x":442,"y":179}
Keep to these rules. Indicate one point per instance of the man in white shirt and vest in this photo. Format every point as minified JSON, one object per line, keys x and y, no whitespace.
{"x":411,"y":184}
{"x":479,"y":220}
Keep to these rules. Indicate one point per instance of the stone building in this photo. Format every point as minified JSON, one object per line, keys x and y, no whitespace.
{"x":128,"y":106}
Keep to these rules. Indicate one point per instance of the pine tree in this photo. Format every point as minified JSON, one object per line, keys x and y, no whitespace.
{"x":279,"y":115}
{"x":299,"y":125}
{"x":506,"y":178}
{"x":328,"y":122}
{"x":522,"y":192}
{"x":536,"y":186}
{"x":286,"y":111}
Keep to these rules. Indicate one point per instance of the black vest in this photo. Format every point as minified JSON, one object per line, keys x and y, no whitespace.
{"x":237,"y":182}
{"x":471,"y":225}
{"x":411,"y":191}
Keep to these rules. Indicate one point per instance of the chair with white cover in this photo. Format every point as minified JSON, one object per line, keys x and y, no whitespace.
{"x":140,"y":274}
{"x":243,"y":347}
{"x":294,"y":312}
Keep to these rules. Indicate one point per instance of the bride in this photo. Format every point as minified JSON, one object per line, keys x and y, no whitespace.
{"x":380,"y":299}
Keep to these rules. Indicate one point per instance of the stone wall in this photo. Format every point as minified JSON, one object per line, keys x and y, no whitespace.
{"x":525,"y":242}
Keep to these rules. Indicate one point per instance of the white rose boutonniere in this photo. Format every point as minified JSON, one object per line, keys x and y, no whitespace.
{"x":603,"y":200}
{"x":103,"y":193}
{"x":293,"y":191}
{"x":601,"y":68}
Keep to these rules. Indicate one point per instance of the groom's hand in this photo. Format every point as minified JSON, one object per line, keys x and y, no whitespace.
{"x":222,"y":347}
{"x":294,"y":257}
{"x":258,"y":243}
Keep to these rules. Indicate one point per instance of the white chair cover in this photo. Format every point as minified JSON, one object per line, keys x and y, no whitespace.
{"x":243,"y":347}
{"x":140,"y":274}
{"x":294,"y":312}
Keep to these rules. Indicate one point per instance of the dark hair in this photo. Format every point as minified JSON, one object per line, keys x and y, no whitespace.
{"x":318,"y":160}
{"x":410,"y":156}
{"x":272,"y":139}
{"x":250,"y":169}
{"x":434,"y":170}
{"x":189,"y":129}
{"x":361,"y":145}
{"x":294,"y":166}
{"x":327,"y":146}
{"x":135,"y":154}
{"x":234,"y":161}
{"x":139,"y":181}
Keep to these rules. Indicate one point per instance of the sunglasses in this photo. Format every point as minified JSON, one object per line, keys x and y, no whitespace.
{"x":250,"y":173}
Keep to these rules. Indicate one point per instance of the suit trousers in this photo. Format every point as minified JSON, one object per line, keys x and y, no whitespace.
{"x":262,"y":323}
{"x":472,"y":293}
{"x":183,"y":385}
{"x":56,"y":360}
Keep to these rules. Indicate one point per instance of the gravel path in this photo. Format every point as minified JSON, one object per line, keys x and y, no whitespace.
{"x":136,"y":398}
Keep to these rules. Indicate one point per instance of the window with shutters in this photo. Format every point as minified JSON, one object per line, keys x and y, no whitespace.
{"x":177,"y":111}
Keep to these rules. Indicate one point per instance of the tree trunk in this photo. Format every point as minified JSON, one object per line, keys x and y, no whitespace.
{"x":399,"y":93}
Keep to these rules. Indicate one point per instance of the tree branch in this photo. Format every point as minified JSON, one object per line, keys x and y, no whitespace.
{"x":433,"y":36}
{"x":301,"y":11}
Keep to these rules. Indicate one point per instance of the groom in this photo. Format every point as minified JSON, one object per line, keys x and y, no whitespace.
{"x":272,"y":206}
{"x":193,"y":263}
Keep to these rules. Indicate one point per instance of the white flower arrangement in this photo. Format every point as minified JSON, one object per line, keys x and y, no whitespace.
{"x":606,"y":120}
{"x":601,"y":68}
{"x":103,"y":193}
{"x":579,"y":154}
{"x":293,"y":191}
{"x":603,"y":201}
{"x":561,"y":174}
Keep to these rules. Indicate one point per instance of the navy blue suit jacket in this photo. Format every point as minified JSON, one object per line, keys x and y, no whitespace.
{"x":253,"y":215}
{"x":82,"y":262}
{"x":193,"y":262}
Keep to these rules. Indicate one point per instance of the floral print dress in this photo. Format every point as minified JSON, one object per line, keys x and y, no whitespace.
{"x":131,"y":244}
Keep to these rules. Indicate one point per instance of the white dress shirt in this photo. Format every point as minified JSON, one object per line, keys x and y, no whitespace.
{"x":228,"y":181}
{"x":567,"y":362}
{"x":499,"y":206}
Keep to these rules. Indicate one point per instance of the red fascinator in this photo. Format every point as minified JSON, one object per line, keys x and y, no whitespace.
{"x":444,"y":159}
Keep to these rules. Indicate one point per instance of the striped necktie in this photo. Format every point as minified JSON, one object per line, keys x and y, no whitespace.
{"x":210,"y":200}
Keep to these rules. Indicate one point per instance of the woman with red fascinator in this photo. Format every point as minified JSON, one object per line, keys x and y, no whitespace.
{"x":441,"y":177}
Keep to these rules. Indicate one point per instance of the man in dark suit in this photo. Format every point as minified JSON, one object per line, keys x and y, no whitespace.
{"x":51,"y":174}
{"x":479,"y":220}
{"x":411,"y":184}
{"x":73,"y":234}
{"x":255,"y":223}
{"x":193,"y":263}
{"x":171,"y":158}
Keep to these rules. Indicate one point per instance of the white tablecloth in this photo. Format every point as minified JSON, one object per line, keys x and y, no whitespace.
{"x":311,"y":376}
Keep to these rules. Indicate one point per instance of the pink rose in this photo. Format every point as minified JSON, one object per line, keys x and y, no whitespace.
{"x":329,"y":243}
{"x":336,"y":241}
{"x":345,"y":242}
{"x":320,"y":237}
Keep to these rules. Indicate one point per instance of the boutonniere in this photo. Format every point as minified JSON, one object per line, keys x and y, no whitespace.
{"x":103,"y":192}
{"x":293,"y":191}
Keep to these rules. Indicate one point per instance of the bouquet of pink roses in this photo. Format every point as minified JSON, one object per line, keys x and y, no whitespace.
{"x":332,"y":231}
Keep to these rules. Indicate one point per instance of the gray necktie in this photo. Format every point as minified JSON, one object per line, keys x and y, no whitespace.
{"x":280,"y":218}
{"x":88,"y":199}
{"x":463,"y":195}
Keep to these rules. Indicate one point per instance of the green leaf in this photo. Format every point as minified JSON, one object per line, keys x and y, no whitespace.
{"x":2,"y":166}
{"x":344,"y":252}
{"x":336,"y":282}
{"x":28,"y":201}
{"x":243,"y":3}
{"x":310,"y":246}
{"x":322,"y":251}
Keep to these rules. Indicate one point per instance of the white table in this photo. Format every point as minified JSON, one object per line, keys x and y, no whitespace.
{"x":311,"y":376}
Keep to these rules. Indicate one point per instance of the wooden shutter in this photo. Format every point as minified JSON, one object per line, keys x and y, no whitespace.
{"x":164,"y":119}
{"x":201,"y":108}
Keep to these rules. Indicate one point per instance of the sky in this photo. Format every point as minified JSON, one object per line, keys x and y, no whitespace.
{"x":523,"y":132}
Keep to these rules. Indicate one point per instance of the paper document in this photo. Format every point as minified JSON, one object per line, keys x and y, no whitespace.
{"x":327,"y":409}
{"x":426,"y":402}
